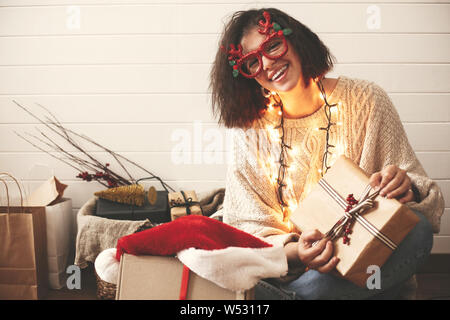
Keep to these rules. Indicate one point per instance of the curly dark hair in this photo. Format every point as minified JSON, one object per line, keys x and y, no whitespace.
{"x":239,"y":101}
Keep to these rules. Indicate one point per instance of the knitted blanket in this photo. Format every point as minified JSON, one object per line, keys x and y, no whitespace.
{"x":95,"y":234}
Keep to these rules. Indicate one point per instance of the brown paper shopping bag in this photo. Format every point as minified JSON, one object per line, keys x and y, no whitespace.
{"x":23,"y":257}
{"x":58,"y":219}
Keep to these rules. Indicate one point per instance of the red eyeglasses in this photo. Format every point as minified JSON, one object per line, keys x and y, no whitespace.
{"x":273,"y":47}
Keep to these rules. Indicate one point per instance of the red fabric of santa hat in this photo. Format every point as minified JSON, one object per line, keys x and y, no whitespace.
{"x":227,"y":256}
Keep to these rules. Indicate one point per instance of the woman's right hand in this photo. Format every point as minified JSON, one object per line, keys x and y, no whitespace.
{"x":318,"y":257}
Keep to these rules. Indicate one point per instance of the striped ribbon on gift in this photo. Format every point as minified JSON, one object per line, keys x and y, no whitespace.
{"x":365,"y":202}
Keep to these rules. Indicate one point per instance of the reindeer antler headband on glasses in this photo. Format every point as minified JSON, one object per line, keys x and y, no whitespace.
{"x":273,"y":47}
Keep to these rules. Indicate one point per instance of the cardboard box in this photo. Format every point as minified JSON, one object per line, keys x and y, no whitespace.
{"x":159,"y":278}
{"x":320,"y":211}
{"x":178,"y":206}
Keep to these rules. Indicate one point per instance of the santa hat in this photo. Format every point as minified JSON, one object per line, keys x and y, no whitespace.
{"x":229,"y":257}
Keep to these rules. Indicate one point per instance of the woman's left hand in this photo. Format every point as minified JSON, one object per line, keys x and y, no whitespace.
{"x":393,"y":182}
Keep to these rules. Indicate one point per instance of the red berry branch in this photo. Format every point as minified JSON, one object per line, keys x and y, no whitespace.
{"x":351,"y":201}
{"x":99,"y":176}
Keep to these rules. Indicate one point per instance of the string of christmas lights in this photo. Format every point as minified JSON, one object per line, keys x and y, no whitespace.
{"x":276,"y":103}
{"x":328,"y":110}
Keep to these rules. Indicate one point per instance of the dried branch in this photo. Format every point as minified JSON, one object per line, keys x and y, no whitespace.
{"x":102,"y":172}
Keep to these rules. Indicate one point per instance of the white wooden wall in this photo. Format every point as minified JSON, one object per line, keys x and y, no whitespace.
{"x":129,"y":74}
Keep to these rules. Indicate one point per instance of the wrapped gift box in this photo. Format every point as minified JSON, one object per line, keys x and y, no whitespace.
{"x":160,"y":278}
{"x":156,"y":213}
{"x":183,"y":204}
{"x":373,"y":235}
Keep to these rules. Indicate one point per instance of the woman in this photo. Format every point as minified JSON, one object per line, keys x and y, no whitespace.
{"x":268,"y":82}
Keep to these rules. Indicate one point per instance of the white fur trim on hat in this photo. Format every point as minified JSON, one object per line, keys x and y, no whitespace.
{"x":106,"y":265}
{"x":233,"y":268}
{"x":236,"y":268}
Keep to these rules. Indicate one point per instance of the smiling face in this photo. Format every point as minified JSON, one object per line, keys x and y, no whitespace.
{"x":280,"y":75}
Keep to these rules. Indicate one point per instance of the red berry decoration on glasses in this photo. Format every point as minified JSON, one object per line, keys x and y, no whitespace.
{"x":268,"y":28}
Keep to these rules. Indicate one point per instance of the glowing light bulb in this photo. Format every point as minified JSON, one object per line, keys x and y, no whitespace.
{"x":321,"y":96}
{"x":280,"y":113}
{"x":288,"y":183}
{"x":333,"y":156}
{"x":272,"y":179}
{"x":292,"y":206}
{"x":295,"y":151}
{"x":290,"y":225}
{"x":274,"y":134}
{"x":273,"y":93}
{"x":339,"y":150}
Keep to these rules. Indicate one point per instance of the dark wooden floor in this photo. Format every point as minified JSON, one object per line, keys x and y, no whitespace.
{"x":434,"y":278}
{"x":433,"y":282}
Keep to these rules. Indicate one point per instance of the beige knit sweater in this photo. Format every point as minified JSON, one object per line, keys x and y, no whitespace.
{"x":370,"y":133}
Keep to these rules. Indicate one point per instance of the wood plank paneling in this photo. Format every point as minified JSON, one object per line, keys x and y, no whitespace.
{"x":190,"y":78}
{"x":422,"y":107}
{"x":39,"y":166}
{"x":131,"y":49}
{"x":187,"y":107}
{"x":111,"y":108}
{"x":128,"y":137}
{"x":422,"y":137}
{"x":202,"y":48}
{"x":132,"y":2}
{"x":428,"y":136}
{"x":203,"y":18}
{"x":388,"y":48}
{"x":173,"y":166}
{"x":444,"y":185}
{"x":445,"y":223}
{"x":436,"y":164}
{"x":441,"y":245}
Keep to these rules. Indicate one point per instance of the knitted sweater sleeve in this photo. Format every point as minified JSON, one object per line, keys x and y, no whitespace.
{"x":250,"y":202}
{"x":386,"y":143}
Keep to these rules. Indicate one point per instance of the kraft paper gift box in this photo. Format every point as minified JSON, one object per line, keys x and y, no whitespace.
{"x":374,"y":234}
{"x":183,"y":203}
{"x":160,"y":278}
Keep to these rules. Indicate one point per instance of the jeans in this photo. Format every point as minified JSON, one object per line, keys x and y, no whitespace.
{"x":404,"y":262}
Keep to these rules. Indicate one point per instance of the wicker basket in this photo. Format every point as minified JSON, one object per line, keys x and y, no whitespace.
{"x":105,"y":290}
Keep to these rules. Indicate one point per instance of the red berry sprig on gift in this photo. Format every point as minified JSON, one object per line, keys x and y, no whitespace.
{"x":351,"y":201}
{"x":99,"y":176}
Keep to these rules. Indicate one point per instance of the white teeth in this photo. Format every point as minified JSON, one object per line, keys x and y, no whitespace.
{"x":279,"y":72}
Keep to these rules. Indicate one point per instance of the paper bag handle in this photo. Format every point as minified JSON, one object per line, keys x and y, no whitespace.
{"x":7,"y":191}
